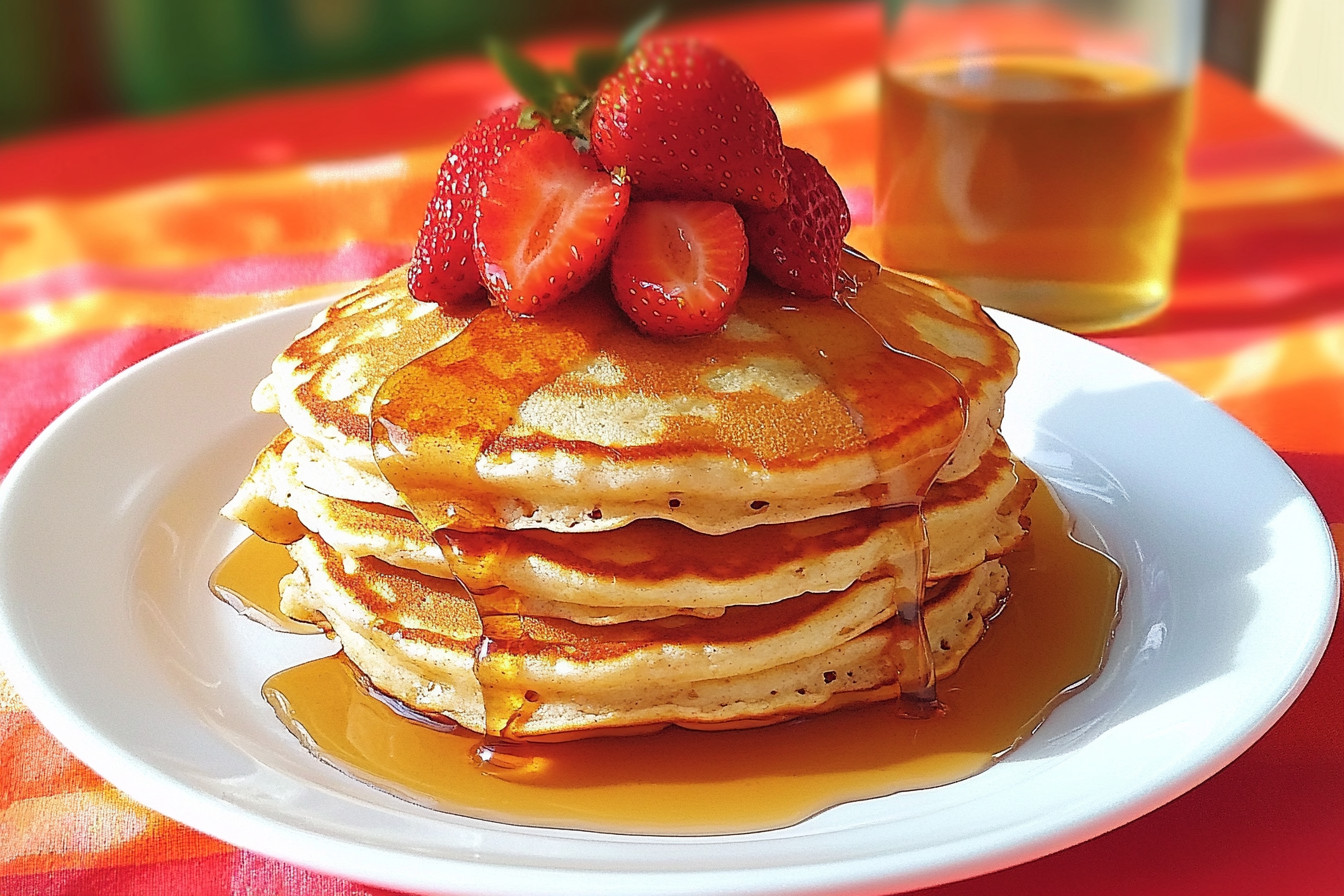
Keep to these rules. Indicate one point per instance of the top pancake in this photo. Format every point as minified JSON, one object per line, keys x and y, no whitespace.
{"x":572,"y":421}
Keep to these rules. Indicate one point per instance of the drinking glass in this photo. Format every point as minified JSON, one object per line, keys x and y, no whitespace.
{"x":1032,"y":152}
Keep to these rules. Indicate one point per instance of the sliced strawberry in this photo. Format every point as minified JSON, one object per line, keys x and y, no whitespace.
{"x":547,"y":218}
{"x":687,"y":123}
{"x":679,"y":267}
{"x":798,"y":245}
{"x":443,"y":269}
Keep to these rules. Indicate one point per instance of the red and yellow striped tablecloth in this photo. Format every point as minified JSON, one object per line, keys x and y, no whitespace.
{"x":121,"y":239}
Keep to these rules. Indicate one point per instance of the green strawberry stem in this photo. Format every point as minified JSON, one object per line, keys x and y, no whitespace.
{"x":566,"y":98}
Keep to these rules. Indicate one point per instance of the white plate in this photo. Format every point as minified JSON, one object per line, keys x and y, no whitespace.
{"x":108,"y":531}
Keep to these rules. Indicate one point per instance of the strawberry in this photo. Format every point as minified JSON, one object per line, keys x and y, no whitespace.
{"x":687,"y":123}
{"x":546,"y":219}
{"x":798,"y":245}
{"x":679,"y":267}
{"x":442,"y":268}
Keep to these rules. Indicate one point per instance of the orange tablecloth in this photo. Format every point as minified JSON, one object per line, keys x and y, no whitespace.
{"x":121,"y":239}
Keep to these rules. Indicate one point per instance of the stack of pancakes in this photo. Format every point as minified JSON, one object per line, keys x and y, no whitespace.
{"x":557,"y":527}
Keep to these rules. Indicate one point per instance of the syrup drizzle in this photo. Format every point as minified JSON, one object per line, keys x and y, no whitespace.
{"x":860,"y":365}
{"x":432,"y":421}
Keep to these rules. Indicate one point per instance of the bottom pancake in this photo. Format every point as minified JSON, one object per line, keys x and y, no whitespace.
{"x":416,"y":638}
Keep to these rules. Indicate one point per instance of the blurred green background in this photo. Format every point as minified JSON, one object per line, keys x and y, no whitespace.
{"x":67,"y":61}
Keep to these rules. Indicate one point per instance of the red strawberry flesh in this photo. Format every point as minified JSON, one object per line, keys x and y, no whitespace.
{"x":547,"y":218}
{"x":679,"y":267}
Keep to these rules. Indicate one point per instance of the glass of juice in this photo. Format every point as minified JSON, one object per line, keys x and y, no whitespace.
{"x":1032,"y":152}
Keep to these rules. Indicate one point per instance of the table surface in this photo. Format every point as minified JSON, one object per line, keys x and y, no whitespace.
{"x":120,"y":239}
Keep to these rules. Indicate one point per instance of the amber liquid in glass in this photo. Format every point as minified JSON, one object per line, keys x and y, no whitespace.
{"x":1047,"y":187}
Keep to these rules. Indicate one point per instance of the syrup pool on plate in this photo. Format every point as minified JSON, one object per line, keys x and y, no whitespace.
{"x":1048,"y":641}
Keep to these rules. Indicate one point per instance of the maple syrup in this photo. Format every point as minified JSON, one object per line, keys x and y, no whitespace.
{"x":248,"y":579}
{"x":1048,"y":641}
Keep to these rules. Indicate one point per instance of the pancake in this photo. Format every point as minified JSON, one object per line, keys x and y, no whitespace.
{"x":654,"y":568}
{"x":557,"y":527}
{"x":416,"y":638}
{"x":575,"y":422}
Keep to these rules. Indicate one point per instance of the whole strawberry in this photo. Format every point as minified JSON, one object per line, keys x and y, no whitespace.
{"x":686,"y":122}
{"x":443,"y":269}
{"x":798,"y":246}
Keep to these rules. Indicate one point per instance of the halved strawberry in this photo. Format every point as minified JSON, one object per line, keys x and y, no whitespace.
{"x":679,"y":267}
{"x":798,"y":245}
{"x":546,"y":220}
{"x":443,"y":269}
{"x":686,"y":122}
